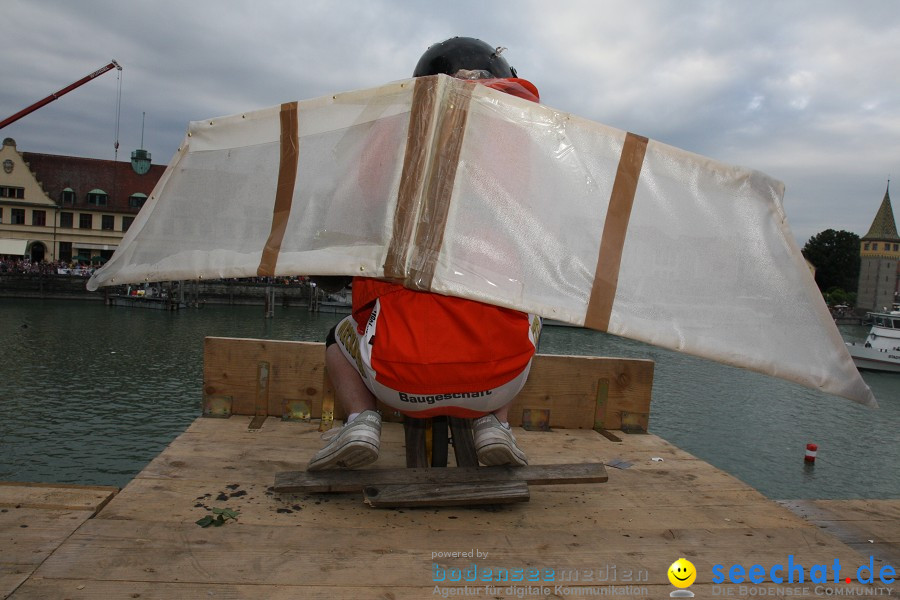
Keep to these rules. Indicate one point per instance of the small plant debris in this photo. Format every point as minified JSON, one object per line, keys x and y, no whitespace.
{"x":222,"y":515}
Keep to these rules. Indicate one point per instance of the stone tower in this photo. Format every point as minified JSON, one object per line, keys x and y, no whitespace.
{"x":879,"y":255}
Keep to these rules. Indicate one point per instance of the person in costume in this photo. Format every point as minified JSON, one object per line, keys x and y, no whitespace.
{"x":424,"y":354}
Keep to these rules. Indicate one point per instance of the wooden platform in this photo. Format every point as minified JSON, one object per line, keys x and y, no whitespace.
{"x":619,"y":538}
{"x":145,"y":543}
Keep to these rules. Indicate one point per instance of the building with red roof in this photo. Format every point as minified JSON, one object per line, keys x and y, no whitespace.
{"x":68,"y":208}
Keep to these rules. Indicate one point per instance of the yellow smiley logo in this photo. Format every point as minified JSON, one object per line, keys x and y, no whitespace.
{"x":682,"y":573}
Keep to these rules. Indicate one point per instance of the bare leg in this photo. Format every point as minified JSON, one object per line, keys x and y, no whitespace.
{"x":502,"y":413}
{"x":349,"y":389}
{"x":356,"y":444}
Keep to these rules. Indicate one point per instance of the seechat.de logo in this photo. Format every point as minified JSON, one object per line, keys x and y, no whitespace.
{"x":682,"y":574}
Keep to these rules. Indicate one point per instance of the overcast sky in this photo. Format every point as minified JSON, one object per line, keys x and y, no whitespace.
{"x":806,"y":91}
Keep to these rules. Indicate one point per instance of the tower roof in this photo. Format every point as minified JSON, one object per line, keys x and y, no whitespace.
{"x":884,"y":227}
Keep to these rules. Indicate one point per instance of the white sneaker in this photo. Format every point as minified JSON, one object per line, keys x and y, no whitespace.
{"x":496,"y":444}
{"x":354,"y":445}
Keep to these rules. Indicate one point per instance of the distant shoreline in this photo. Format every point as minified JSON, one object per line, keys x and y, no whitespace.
{"x":39,"y":286}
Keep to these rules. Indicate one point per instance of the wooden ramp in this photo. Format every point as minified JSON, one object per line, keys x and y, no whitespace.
{"x":613,"y":538}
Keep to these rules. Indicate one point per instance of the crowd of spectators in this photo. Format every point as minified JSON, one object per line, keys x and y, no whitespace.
{"x":59,"y":267}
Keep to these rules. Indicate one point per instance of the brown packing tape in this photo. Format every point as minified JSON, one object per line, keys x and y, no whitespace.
{"x":606,"y":277}
{"x":413,"y":176}
{"x":284,"y":193}
{"x":448,"y":139}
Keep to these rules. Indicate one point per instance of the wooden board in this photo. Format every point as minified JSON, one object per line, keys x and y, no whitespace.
{"x":35,"y":519}
{"x":263,"y":375}
{"x":296,"y":372}
{"x":50,"y":496}
{"x":869,"y":526}
{"x":390,"y":556}
{"x":86,"y":589}
{"x":571,"y":387}
{"x":403,"y":495}
{"x":351,"y":481}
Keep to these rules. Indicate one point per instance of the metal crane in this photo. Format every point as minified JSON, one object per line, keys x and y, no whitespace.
{"x":9,"y":120}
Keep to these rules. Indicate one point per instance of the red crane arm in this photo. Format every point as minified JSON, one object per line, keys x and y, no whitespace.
{"x":65,"y":90}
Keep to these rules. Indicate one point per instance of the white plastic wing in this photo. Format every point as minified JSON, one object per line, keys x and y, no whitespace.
{"x":463,"y":190}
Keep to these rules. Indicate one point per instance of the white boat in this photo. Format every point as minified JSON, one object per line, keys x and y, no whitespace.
{"x":881,"y":350}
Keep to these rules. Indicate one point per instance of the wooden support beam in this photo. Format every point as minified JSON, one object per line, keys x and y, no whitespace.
{"x":414,"y":436}
{"x":292,"y":482}
{"x":463,"y":442}
{"x":440,"y":440}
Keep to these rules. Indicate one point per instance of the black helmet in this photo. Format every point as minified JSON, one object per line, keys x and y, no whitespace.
{"x":450,"y":56}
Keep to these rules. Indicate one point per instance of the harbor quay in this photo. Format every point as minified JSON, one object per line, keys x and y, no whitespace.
{"x":285,"y":291}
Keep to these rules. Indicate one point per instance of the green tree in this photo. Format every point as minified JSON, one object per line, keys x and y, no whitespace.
{"x":835,"y":254}
{"x":835,"y":296}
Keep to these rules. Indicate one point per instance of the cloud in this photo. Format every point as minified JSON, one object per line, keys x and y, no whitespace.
{"x":804,"y":95}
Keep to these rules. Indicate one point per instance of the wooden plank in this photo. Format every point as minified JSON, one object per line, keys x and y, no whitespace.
{"x":55,"y":496}
{"x":29,"y":535}
{"x":215,"y":448}
{"x":35,"y":519}
{"x":296,"y":372}
{"x":200,"y":454}
{"x":305,"y":436}
{"x":440,"y":442}
{"x":463,"y":442}
{"x":78,"y":589}
{"x":352,"y":481}
{"x":85,"y":589}
{"x":577,"y":506}
{"x":337,"y":554}
{"x":568,"y":386}
{"x":869,"y":526}
{"x":414,"y":433}
{"x":454,"y":494}
{"x":886,"y":510}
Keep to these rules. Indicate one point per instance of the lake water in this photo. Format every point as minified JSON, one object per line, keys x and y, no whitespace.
{"x":90,"y":394}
